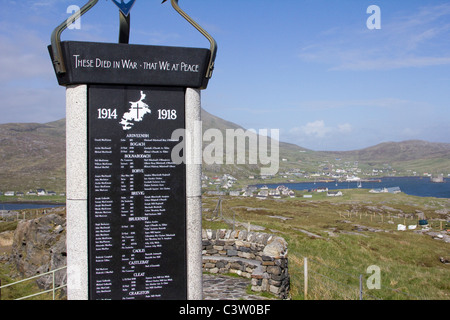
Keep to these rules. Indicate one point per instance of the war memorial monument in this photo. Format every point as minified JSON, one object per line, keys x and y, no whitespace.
{"x":133,"y":213}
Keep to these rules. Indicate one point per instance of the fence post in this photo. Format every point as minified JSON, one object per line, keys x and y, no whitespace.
{"x":360,"y":287}
{"x":305,"y":265}
{"x":53,"y":284}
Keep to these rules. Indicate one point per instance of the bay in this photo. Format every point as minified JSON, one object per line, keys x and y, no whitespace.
{"x":415,"y":186}
{"x":23,"y":206}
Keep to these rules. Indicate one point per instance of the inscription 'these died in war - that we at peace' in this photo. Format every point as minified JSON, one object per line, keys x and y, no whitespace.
{"x":128,"y":64}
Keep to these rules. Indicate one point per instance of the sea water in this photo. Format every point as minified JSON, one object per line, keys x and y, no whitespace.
{"x":415,"y":186}
{"x":23,"y":206}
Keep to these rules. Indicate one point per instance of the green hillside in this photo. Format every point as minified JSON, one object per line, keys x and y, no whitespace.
{"x":32,"y":156}
{"x":343,"y":236}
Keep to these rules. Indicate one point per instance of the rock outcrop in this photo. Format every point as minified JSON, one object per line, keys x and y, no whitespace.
{"x":39,"y":246}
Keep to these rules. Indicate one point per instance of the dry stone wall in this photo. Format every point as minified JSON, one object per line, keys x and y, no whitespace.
{"x":261,"y":257}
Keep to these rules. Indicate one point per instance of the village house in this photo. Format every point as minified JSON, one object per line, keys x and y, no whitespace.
{"x":247,"y":193}
{"x":274,"y":193}
{"x":394,"y":190}
{"x":262,"y":194}
{"x":386,"y":190}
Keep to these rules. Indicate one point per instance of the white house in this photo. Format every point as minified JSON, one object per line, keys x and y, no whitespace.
{"x":263,"y":194}
{"x":394,"y":190}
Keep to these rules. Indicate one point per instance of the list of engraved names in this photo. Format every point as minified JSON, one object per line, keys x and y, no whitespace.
{"x":137,"y":206}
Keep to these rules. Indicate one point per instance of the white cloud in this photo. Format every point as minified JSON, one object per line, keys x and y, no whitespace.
{"x":317,"y":135}
{"x":408,"y":132}
{"x":405,"y":41}
{"x":392,"y":63}
{"x":316,"y":128}
{"x":345,"y":128}
{"x":385,"y":103}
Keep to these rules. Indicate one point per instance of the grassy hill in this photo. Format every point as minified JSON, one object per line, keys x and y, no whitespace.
{"x":413,"y":155}
{"x":32,"y":156}
{"x":403,"y":151}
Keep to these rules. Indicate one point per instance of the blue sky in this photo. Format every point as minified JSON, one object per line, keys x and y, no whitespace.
{"x":310,"y":68}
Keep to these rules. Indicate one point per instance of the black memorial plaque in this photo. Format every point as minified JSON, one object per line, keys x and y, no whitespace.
{"x":109,"y":63}
{"x":137,"y":194}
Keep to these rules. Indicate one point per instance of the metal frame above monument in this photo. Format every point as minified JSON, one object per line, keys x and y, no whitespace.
{"x":133,"y":214}
{"x":59,"y":53}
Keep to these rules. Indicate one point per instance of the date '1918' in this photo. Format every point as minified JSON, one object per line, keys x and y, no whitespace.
{"x":167,"y":114}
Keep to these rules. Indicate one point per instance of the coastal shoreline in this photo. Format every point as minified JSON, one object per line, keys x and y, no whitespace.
{"x":411,"y":185}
